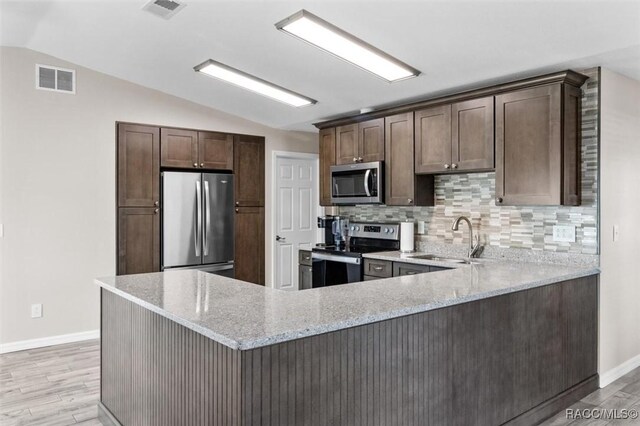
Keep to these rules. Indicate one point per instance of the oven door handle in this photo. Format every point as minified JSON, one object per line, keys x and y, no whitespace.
{"x":367,"y":175}
{"x":335,"y":258}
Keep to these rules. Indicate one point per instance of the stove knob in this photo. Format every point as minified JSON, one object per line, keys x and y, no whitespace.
{"x":386,"y":230}
{"x":353,"y":228}
{"x":392,"y":230}
{"x":357,"y":228}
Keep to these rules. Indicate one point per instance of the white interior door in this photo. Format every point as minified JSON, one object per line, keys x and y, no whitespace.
{"x":295,"y":216}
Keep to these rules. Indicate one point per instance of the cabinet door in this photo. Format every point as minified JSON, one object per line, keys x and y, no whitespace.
{"x":138,"y":240}
{"x":399,"y":176}
{"x":215,"y":150}
{"x":248,"y":165}
{"x":179,"y":148}
{"x":327,"y":159}
{"x":529,"y":147}
{"x":138,"y":165}
{"x":347,"y":144}
{"x":472,"y":135}
{"x":305,"y":277}
{"x":249,"y":242}
{"x":433,"y":139}
{"x":371,"y":140}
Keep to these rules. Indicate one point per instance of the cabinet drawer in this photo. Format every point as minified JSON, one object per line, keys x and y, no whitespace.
{"x":304,"y":257}
{"x":377,"y":268}
{"x":370,"y":278}
{"x":400,"y":269}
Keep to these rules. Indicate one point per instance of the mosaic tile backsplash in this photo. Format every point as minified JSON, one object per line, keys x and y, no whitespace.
{"x":528,"y":227}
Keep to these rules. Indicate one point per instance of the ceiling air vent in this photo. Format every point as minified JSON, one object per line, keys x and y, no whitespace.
{"x":55,"y":79}
{"x":164,"y":8}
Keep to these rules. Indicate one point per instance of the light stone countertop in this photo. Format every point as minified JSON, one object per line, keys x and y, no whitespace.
{"x":244,"y":316}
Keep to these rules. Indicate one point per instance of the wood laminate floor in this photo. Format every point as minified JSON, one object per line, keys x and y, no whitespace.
{"x":60,"y":385}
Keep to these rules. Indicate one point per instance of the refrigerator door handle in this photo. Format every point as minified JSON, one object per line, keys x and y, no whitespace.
{"x":198,"y":224}
{"x":207,"y":218}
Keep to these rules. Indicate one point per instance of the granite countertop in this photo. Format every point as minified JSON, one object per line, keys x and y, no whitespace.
{"x":244,"y":316}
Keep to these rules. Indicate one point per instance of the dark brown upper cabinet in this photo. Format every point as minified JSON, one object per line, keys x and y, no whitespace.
{"x":138,"y":165}
{"x":402,"y":186}
{"x":249,"y":244}
{"x":179,"y":148}
{"x":248,"y":166}
{"x":456,"y":137}
{"x":538,"y":146}
{"x":138,"y":240}
{"x":472,"y":141}
{"x":215,"y":150}
{"x":327,"y":148}
{"x":183,"y":148}
{"x":433,"y":139}
{"x":360,"y":142}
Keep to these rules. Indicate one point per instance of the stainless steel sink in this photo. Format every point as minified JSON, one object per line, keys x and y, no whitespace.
{"x":443,"y":259}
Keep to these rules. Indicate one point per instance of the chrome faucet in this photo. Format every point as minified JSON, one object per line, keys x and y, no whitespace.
{"x":474,"y":245}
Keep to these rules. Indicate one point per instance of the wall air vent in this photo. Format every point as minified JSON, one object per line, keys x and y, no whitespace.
{"x":164,"y":8}
{"x":55,"y":79}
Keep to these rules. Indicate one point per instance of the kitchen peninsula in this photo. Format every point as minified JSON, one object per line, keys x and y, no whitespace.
{"x":492,"y":342}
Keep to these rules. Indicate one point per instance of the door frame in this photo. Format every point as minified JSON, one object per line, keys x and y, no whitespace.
{"x":275,"y":155}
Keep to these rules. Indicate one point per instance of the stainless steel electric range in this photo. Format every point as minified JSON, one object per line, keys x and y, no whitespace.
{"x":334,"y":265}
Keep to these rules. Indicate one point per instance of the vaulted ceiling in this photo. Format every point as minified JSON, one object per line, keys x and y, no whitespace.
{"x":455,"y":44}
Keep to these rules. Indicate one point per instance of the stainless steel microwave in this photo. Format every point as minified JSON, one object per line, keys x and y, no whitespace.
{"x":359,"y":183}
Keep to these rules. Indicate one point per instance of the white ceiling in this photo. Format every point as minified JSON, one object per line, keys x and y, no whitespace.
{"x":455,"y":45}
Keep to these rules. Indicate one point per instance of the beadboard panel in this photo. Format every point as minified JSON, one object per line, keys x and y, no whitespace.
{"x":485,"y":362}
{"x":157,"y":372}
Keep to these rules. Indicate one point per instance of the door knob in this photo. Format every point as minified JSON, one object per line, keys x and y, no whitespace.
{"x":446,"y":166}
{"x":498,"y":200}
{"x":279,"y":238}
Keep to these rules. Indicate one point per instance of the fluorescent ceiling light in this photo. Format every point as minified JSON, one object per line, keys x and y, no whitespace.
{"x":255,"y":84}
{"x":332,"y":39}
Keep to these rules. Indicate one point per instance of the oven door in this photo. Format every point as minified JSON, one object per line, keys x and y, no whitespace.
{"x":357,"y":183}
{"x":333,"y":269}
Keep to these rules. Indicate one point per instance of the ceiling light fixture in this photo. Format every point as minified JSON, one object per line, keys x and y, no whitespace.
{"x":247,"y":81}
{"x":332,"y":39}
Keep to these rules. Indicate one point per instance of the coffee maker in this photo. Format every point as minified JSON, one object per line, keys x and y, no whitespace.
{"x":326,"y":223}
{"x":340,"y":228}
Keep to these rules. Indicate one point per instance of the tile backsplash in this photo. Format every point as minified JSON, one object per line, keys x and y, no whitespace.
{"x":529,"y":227}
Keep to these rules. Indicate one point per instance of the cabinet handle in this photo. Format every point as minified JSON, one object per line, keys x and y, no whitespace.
{"x":446,"y":166}
{"x":498,"y":200}
{"x":237,"y":210}
{"x":410,"y":200}
{"x":411,"y":272}
{"x":195,"y":164}
{"x":355,"y":159}
{"x":378,"y":268}
{"x":201,"y":164}
{"x":237,"y":203}
{"x":155,"y":211}
{"x":307,"y":257}
{"x":454,"y":166}
{"x":360,"y":159}
{"x":156,"y":203}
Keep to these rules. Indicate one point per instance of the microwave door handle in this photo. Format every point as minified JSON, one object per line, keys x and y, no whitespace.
{"x":367,"y":176}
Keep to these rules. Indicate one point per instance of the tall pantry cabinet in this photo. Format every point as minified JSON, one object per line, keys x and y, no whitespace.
{"x":143,"y":151}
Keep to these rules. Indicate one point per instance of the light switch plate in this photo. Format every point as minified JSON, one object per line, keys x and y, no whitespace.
{"x":36,"y":310}
{"x":616,"y":233}
{"x":564,"y":234}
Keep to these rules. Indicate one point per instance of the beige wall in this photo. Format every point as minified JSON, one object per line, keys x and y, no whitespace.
{"x":620,"y":205}
{"x":57,"y":199}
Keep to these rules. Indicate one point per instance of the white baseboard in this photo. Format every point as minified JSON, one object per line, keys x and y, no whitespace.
{"x":619,"y":371}
{"x":49,"y":341}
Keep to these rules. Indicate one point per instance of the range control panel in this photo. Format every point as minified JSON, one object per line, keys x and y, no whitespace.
{"x":381,"y":231}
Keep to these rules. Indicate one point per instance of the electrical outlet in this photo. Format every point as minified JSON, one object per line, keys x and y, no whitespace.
{"x":36,"y":310}
{"x":421,"y":227}
{"x":564,"y":234}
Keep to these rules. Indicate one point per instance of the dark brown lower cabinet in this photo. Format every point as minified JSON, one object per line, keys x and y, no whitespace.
{"x":138,"y":240}
{"x":513,"y":359}
{"x":249,"y":244}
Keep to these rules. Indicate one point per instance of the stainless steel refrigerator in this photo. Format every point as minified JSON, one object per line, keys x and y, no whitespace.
{"x":198,"y":222}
